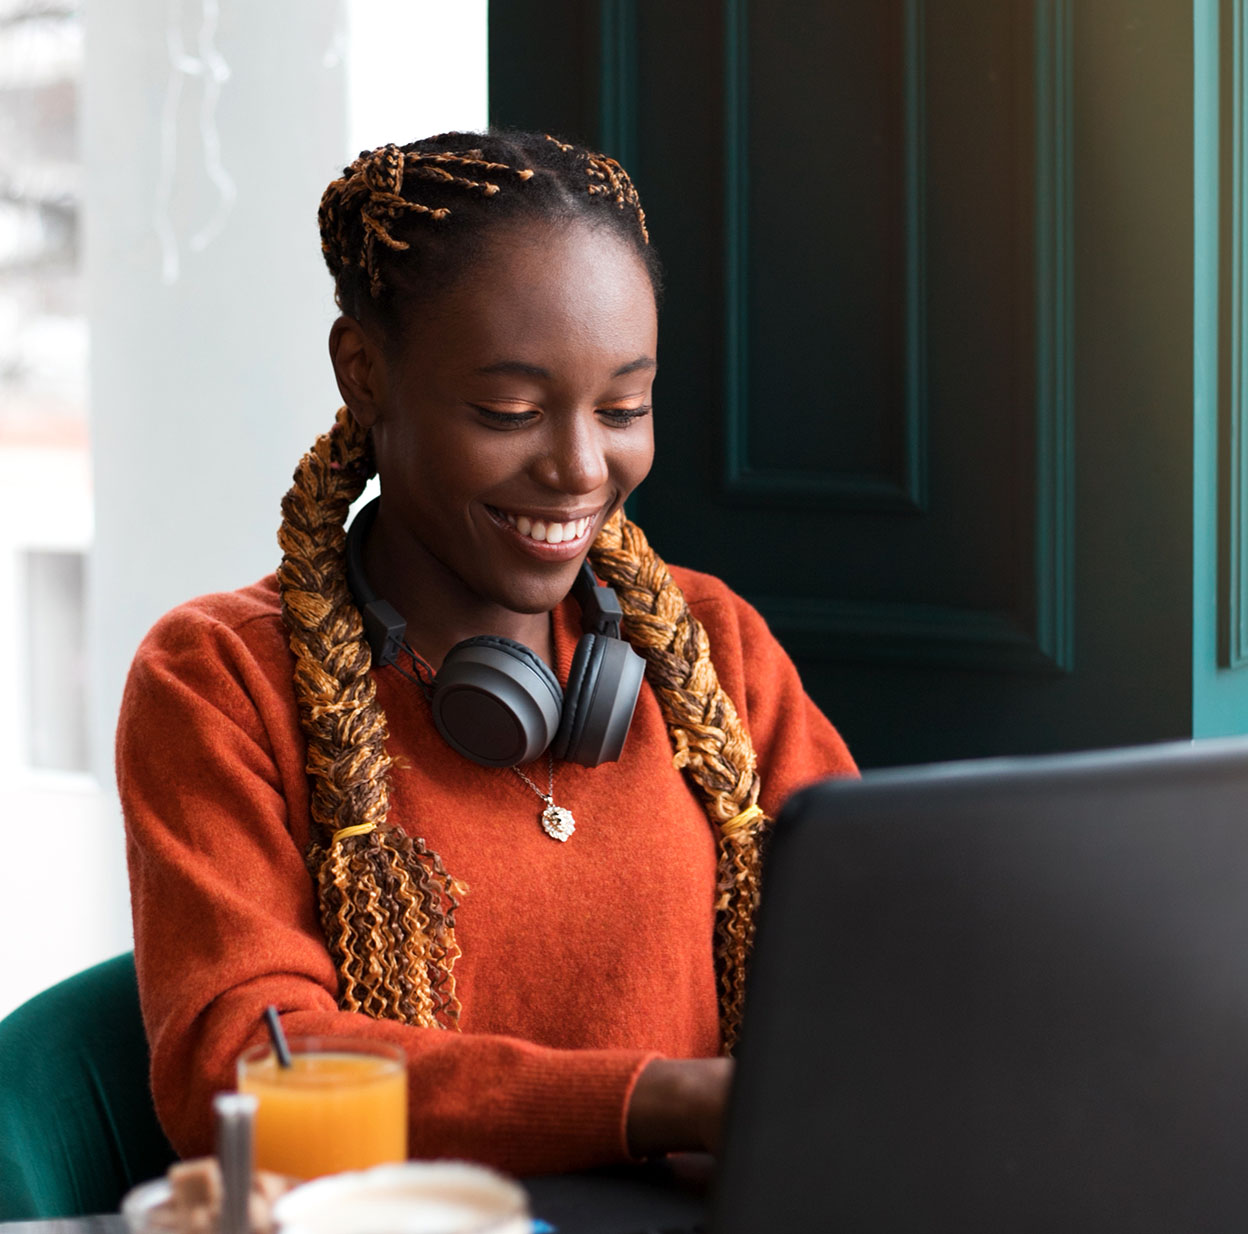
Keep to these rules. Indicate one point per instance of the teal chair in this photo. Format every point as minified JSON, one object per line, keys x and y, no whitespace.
{"x":77,"y":1125}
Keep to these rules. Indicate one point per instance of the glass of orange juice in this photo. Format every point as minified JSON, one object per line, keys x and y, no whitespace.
{"x":340,"y":1105}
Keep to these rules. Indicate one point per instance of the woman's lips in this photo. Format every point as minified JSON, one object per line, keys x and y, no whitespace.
{"x":547,"y":539}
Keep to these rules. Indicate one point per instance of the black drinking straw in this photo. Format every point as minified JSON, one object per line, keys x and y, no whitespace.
{"x":280,"y":1048}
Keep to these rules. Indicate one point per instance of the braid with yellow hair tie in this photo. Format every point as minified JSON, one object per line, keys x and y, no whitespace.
{"x":387,"y":905}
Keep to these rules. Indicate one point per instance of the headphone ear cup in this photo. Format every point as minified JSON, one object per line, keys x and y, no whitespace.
{"x":598,"y":704}
{"x":496,"y":701}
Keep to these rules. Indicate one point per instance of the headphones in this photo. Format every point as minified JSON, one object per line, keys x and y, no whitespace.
{"x":495,"y":700}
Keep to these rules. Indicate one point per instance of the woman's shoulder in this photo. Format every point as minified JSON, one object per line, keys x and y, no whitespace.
{"x":250,"y":617}
{"x":232,"y":610}
{"x":793,"y":740}
{"x":713,"y":602}
{"x":702,"y":588}
{"x":741,"y":641}
{"x":219,"y":657}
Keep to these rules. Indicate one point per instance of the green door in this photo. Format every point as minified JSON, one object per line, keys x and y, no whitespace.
{"x":945,"y":386}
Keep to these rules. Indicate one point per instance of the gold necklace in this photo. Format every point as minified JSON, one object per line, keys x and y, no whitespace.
{"x":557,"y":822}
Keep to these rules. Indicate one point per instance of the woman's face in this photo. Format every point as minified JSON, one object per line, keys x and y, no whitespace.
{"x":512,"y":419}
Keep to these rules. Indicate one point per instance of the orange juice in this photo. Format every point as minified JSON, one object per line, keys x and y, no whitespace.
{"x":341,"y":1105}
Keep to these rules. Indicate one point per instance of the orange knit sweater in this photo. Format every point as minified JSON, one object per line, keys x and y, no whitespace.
{"x":581,"y":961}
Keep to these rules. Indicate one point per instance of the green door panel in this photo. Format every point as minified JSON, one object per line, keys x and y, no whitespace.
{"x":927,"y":359}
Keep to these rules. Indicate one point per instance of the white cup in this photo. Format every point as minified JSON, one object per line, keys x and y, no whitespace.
{"x":417,"y":1197}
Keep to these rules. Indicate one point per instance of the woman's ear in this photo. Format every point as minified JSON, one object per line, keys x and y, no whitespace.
{"x":359,"y":369}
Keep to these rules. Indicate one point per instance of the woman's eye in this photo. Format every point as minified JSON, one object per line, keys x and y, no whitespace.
{"x":624,"y":415}
{"x":505,"y":419}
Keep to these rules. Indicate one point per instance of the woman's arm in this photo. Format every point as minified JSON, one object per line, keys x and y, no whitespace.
{"x":678,"y":1106}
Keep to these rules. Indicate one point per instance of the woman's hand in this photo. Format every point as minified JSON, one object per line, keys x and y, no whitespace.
{"x":678,"y":1106}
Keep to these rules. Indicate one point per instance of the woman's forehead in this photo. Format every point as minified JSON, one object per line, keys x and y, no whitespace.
{"x":548,"y":257}
{"x":537,"y":290}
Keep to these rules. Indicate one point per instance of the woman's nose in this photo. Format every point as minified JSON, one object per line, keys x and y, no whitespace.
{"x":574,"y":460}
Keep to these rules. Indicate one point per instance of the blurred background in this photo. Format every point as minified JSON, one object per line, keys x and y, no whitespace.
{"x":163,"y":314}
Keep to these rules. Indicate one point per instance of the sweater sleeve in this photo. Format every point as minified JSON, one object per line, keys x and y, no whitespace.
{"x":794,"y":741}
{"x":225,"y":921}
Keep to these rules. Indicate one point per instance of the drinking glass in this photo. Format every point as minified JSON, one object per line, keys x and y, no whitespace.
{"x":341,"y":1105}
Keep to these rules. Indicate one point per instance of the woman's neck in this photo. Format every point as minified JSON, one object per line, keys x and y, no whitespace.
{"x":441,"y":611}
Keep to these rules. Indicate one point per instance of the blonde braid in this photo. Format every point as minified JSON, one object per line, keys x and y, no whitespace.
{"x":711,"y":744}
{"x":387,"y":905}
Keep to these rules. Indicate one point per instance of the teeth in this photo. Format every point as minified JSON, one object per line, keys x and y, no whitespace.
{"x":549,"y":533}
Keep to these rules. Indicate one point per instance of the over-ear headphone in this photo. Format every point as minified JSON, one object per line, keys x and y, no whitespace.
{"x":495,"y":700}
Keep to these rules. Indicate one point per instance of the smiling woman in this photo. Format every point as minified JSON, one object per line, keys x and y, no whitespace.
{"x":331,"y":843}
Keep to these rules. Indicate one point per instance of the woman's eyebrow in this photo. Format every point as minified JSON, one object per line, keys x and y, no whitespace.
{"x":516,"y":367}
{"x":641,"y":362}
{"x":519,"y":368}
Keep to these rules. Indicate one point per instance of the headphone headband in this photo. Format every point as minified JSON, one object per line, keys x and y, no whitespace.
{"x":384,"y":626}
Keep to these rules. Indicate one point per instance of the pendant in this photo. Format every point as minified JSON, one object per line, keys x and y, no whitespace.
{"x":557,"y":822}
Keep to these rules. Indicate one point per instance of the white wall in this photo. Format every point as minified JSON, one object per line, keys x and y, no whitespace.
{"x":206,"y":153}
{"x":209,"y":301}
{"x":414,"y":69}
{"x":209,"y":129}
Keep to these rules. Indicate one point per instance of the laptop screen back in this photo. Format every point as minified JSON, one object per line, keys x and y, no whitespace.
{"x":1001,"y":996}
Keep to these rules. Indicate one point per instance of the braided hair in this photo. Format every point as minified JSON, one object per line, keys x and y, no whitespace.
{"x":397,"y":227}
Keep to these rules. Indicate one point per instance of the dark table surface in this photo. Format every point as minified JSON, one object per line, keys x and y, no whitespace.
{"x":657,"y":1198}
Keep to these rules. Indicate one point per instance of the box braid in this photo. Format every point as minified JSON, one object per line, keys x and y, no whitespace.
{"x":399,"y":225}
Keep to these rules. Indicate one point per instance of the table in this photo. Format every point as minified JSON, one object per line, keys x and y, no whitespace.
{"x":655,"y":1198}
{"x":662,"y":1196}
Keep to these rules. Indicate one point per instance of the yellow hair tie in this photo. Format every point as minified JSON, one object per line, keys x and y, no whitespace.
{"x":741,"y":821}
{"x":358,"y":829}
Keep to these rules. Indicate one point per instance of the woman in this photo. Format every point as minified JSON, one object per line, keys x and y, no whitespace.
{"x":559,"y":945}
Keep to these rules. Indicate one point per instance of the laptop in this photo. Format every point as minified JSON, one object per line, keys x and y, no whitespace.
{"x":997,"y":996}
